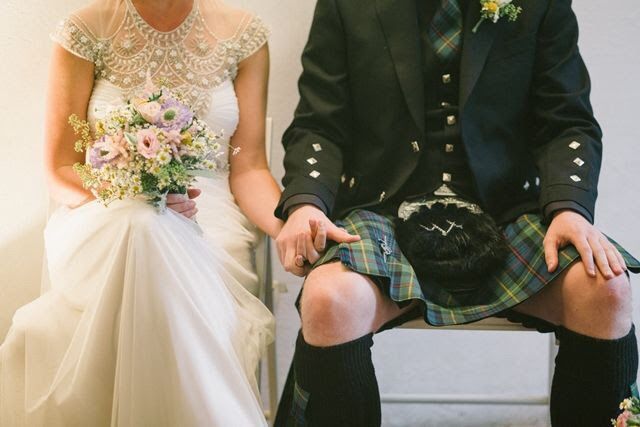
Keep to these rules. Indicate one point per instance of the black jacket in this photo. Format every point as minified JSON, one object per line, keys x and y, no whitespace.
{"x":527,"y":123}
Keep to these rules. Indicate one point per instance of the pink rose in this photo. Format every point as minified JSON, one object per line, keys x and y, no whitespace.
{"x":150,"y":111}
{"x":148,"y":144}
{"x":623,"y":418}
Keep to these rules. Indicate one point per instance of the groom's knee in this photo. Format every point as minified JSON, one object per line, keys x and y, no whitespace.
{"x":337,"y":306}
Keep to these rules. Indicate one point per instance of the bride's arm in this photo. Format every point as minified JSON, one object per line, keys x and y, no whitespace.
{"x":252,"y":184}
{"x":69,"y":89}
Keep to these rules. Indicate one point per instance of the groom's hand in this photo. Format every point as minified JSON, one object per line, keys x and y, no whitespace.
{"x":304,"y":236}
{"x":569,"y":227}
{"x":183,"y":203}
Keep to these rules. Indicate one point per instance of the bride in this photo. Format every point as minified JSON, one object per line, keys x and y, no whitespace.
{"x":146,"y":321}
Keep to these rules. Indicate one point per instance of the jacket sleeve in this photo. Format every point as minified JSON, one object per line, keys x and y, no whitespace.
{"x":316,"y":140}
{"x":567,"y":137}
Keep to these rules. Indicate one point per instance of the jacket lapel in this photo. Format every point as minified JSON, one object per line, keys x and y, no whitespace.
{"x":400,"y":26}
{"x":475,"y":49}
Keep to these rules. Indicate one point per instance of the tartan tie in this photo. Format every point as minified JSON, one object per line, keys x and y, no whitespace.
{"x":445,"y":32}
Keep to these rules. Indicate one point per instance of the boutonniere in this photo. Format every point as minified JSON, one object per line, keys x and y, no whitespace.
{"x":495,"y":9}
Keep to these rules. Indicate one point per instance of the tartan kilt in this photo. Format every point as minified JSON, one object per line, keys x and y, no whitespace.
{"x":524,"y":272}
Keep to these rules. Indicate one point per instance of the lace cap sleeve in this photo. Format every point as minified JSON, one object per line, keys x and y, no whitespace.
{"x":254,"y":35}
{"x":73,"y":36}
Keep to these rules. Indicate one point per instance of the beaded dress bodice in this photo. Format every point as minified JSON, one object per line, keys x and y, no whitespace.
{"x":193,"y":59}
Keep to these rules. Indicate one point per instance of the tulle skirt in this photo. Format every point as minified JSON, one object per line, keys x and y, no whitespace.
{"x":144,"y":324}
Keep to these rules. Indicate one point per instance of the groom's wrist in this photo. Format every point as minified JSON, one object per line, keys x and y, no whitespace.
{"x":297,"y":200}
{"x":553,"y":208}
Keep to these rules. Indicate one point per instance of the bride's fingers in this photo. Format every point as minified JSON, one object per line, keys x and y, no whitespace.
{"x":192,"y":193}
{"x":301,"y":248}
{"x":312,"y":254}
{"x":173,"y":198}
{"x":183,"y":206}
{"x":290,"y":263}
{"x":190,"y":213}
{"x":320,"y":240}
{"x":313,"y":225}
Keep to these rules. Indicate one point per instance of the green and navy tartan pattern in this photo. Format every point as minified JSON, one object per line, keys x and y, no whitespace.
{"x":445,"y":31}
{"x":378,"y":256}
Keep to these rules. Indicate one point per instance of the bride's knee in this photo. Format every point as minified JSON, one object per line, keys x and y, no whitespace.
{"x":143,"y":218}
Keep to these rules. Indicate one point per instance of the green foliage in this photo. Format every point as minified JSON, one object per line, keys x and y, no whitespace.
{"x":149,"y":183}
{"x":511,"y":11}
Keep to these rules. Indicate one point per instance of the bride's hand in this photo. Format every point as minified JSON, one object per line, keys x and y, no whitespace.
{"x":184,"y":204}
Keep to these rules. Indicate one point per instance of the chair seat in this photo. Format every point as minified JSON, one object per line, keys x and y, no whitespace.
{"x":488,"y":324}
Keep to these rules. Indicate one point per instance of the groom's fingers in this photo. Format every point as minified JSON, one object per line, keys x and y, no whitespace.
{"x":340,"y":235}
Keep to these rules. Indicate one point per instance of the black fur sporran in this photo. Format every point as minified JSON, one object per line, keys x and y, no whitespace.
{"x":452,"y":244}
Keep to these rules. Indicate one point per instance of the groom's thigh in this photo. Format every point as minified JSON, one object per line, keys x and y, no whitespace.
{"x":339,"y":305}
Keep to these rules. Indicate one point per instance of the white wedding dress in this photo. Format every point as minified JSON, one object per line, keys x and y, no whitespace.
{"x":147,"y":321}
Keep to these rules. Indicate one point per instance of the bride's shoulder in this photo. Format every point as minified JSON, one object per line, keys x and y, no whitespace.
{"x":81,"y":31}
{"x":99,"y":17}
{"x":242,"y":29}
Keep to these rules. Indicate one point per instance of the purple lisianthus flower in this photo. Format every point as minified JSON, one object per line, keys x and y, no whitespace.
{"x":97,"y":158}
{"x":174,"y":116}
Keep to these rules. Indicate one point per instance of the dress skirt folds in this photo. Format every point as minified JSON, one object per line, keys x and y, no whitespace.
{"x":524,"y":272}
{"x":143,"y":326}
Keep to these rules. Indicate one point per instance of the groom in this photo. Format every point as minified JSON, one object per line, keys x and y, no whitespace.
{"x":400,"y":98}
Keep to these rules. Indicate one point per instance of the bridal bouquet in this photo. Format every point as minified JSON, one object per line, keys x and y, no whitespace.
{"x":148,"y":147}
{"x":630,"y":415}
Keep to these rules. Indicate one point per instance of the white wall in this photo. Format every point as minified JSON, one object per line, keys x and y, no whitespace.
{"x":509,"y":362}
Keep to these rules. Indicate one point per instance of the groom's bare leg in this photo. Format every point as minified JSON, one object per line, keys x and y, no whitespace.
{"x":339,"y":305}
{"x":333,"y":382}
